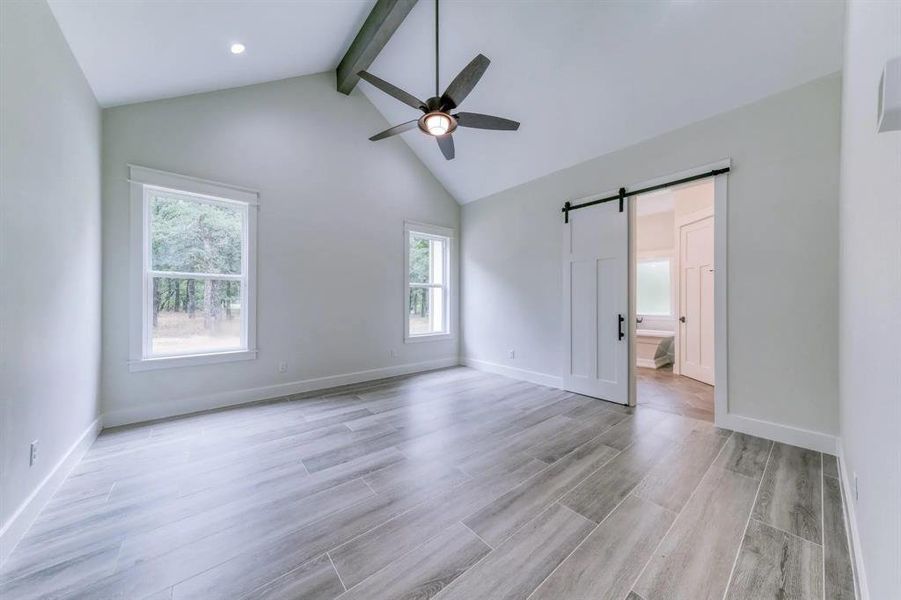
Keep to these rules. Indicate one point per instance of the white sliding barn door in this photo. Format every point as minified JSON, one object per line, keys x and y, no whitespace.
{"x":596,"y":302}
{"x":696,"y":300}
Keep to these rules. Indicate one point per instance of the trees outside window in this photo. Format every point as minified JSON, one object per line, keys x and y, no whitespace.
{"x":428,"y":287}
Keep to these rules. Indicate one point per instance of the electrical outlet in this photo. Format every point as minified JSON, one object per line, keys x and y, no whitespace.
{"x":33,"y":455}
{"x":512,"y":353}
{"x":283,"y":367}
{"x":856,"y":488}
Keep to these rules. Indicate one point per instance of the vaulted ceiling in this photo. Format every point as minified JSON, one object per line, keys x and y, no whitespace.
{"x":584,"y":78}
{"x":587,"y":78}
{"x":137,"y":50}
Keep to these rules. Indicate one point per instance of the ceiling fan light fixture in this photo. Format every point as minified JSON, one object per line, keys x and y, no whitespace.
{"x":437,"y":123}
{"x":437,"y":120}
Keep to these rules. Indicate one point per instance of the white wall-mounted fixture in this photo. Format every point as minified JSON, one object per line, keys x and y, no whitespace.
{"x":890,"y":97}
{"x":237,"y":48}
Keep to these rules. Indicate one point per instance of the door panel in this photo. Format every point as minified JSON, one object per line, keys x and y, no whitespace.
{"x":595,"y":259}
{"x":696,"y":300}
{"x":583,"y":318}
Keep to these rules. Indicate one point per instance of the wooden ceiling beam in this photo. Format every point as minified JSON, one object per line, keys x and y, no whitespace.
{"x":384,"y":19}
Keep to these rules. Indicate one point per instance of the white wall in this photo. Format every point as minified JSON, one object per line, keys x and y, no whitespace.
{"x":333,"y":206}
{"x":783,"y":232}
{"x":870,"y":296}
{"x":49,"y":260}
{"x":655,"y":232}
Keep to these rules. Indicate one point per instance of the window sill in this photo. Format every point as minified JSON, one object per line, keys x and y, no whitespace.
{"x":428,"y":337}
{"x":167,"y":362}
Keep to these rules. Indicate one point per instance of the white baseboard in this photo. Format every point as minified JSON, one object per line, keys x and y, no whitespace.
{"x":522,"y":374}
{"x":860,"y":573}
{"x":21,"y":520}
{"x":183,"y":406}
{"x":786,"y":434}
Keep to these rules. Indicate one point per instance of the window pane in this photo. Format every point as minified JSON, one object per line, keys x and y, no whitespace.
{"x":192,"y":316}
{"x":426,"y":311}
{"x":654,"y":288}
{"x":420,"y":259}
{"x":437,"y":261}
{"x":195,"y":237}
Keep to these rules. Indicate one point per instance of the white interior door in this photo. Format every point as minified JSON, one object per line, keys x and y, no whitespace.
{"x":696,"y":300}
{"x":595,"y":266}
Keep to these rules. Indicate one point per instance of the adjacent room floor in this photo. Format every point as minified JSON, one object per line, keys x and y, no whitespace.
{"x":453,"y":484}
{"x":663,"y":390}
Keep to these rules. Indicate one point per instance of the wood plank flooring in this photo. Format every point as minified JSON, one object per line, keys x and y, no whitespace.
{"x":663,"y":390}
{"x":453,"y":484}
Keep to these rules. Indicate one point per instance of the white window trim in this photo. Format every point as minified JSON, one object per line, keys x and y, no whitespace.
{"x":442,"y":233}
{"x":649,"y":255}
{"x":139,"y":177}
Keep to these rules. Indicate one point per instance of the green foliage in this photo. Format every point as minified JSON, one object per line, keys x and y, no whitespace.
{"x":419,"y":302}
{"x":419,"y":260}
{"x":195,"y":236}
{"x":420,"y":267}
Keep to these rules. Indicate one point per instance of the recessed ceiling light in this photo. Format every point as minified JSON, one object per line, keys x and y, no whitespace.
{"x":237,"y":48}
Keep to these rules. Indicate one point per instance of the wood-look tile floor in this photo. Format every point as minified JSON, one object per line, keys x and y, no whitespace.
{"x":663,"y":390}
{"x":452,"y":485}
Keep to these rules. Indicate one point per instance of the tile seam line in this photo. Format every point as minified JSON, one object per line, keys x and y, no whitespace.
{"x":631,"y":494}
{"x":557,"y":498}
{"x":336,"y":571}
{"x":823,"y":517}
{"x":681,"y":510}
{"x":744,"y":532}
{"x":585,"y":539}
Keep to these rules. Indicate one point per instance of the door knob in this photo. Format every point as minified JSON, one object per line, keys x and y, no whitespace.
{"x":682,"y":319}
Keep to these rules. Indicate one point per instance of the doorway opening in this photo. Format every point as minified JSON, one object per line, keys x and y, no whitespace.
{"x":674,"y":299}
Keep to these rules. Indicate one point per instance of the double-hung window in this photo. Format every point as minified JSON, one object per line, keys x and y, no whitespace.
{"x":193,"y":288}
{"x":427,"y":306}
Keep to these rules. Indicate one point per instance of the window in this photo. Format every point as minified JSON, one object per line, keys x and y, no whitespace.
{"x":654,"y":287}
{"x":193,"y":293}
{"x":427,"y":294}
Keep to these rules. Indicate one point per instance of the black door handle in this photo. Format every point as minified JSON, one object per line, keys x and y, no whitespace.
{"x":620,"y":327}
{"x":682,"y":319}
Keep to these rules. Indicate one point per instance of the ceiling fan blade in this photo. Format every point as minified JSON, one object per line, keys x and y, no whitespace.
{"x":446,"y":143}
{"x":394,"y":91}
{"x":479,"y":121}
{"x":463,"y":83}
{"x":394,"y":130}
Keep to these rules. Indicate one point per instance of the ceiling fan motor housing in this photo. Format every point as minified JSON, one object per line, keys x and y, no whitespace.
{"x":437,"y":123}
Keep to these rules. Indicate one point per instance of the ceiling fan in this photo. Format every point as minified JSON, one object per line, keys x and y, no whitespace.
{"x":437,"y":119}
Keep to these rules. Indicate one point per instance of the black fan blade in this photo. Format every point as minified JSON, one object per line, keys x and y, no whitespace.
{"x":479,"y":121}
{"x":394,"y":130}
{"x":463,"y":83}
{"x":446,"y":143}
{"x":394,"y":91}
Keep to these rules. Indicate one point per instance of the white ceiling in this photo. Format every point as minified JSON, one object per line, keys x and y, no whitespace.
{"x":655,"y":202}
{"x":136,"y":50}
{"x":584,"y":78}
{"x":587,"y":78}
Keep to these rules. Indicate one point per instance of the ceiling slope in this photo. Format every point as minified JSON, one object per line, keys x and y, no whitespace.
{"x":587,"y":78}
{"x":137,"y":50}
{"x":584,"y":78}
